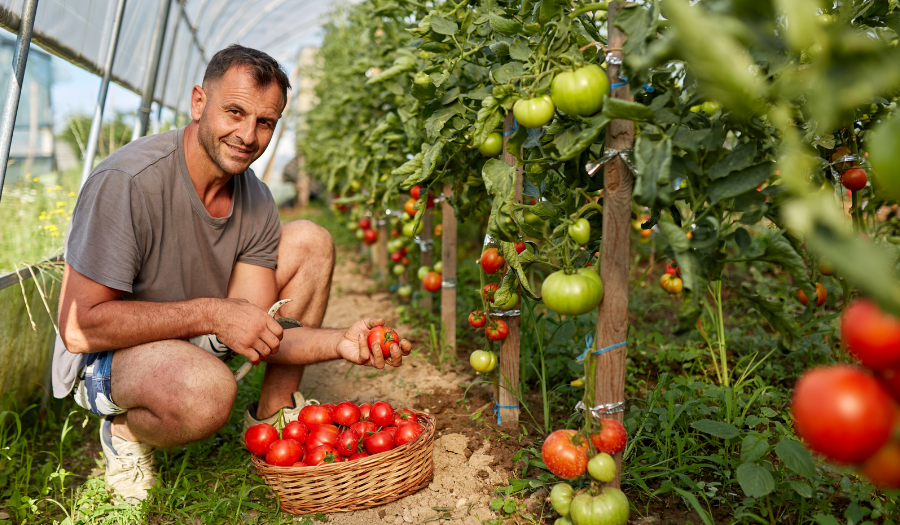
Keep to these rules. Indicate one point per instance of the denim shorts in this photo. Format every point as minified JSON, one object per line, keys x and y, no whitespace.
{"x":93,"y":388}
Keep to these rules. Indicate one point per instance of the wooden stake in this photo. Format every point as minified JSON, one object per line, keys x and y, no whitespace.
{"x":427,"y":230}
{"x":509,"y":351}
{"x":448,"y":275}
{"x":612,"y":326}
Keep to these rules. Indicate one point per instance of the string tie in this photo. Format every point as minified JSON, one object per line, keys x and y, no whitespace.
{"x":497,"y":407}
{"x":515,"y":127}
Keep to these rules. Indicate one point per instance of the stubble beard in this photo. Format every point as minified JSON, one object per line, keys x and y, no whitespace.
{"x":211,"y":145}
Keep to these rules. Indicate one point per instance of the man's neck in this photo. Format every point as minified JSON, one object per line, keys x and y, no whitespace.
{"x":210,"y":182}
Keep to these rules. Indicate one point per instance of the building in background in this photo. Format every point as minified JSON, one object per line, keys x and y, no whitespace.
{"x":32,"y":142}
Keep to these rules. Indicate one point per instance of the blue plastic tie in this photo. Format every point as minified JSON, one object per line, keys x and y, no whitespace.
{"x":497,"y":407}
{"x":514,"y":128}
{"x":608,"y":348}
{"x":589,"y":340}
{"x":589,"y":343}
{"x":618,"y":84}
{"x":648,"y":88}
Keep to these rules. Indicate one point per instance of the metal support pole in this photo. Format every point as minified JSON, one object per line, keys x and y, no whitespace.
{"x":14,"y":90}
{"x":96,"y":124}
{"x":156,"y":45}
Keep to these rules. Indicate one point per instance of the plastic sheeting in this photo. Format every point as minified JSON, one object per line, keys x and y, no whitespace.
{"x":78,"y":31}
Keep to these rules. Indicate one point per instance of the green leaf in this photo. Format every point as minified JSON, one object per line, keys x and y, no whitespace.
{"x":755,"y":480}
{"x":499,"y":180}
{"x":753,"y":448}
{"x":740,"y":182}
{"x":435,"y":123}
{"x":739,"y":158}
{"x":690,"y":139}
{"x":773,"y":312}
{"x":779,"y":251}
{"x":639,"y":23}
{"x":801,"y":488}
{"x":575,"y":139}
{"x":442,"y":26}
{"x":796,"y":457}
{"x":504,"y":25}
{"x":653,"y":161}
{"x":489,"y":117}
{"x":517,"y":261}
{"x":402,"y":64}
{"x":822,"y":519}
{"x":719,"y":429}
{"x":614,"y":108}
{"x":430,"y":155}
{"x":519,"y":50}
{"x":695,"y":503}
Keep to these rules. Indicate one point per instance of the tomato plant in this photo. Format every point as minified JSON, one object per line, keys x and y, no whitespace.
{"x":488,"y":292}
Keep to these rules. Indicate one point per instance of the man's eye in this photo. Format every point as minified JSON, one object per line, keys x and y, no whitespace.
{"x":234,"y":112}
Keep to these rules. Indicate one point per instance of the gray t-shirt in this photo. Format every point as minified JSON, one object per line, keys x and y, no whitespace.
{"x":140,"y":227}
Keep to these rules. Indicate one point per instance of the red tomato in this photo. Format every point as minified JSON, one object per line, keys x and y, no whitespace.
{"x":432,"y":281}
{"x":396,"y":257}
{"x":364,"y":411}
{"x":314,"y":415}
{"x":497,"y":330}
{"x":390,"y":430}
{"x":410,"y":207}
{"x":370,"y":236}
{"x":323,"y":454}
{"x":842,"y":412}
{"x":883,"y":469}
{"x":329,"y":407}
{"x":612,"y":437}
{"x":821,"y":295}
{"x":890,"y":378}
{"x":407,"y":416}
{"x":488,"y":291}
{"x":382,"y":414}
{"x":345,"y":414}
{"x":347,"y":443}
{"x":385,"y":337}
{"x":358,"y":455}
{"x":477,"y":319}
{"x":491,"y":261}
{"x":379,"y":442}
{"x":871,"y":335}
{"x":404,"y":261}
{"x":259,"y":437}
{"x":565,"y":454}
{"x":364,"y":428}
{"x":299,"y":464}
{"x":854,"y":179}
{"x":295,"y":430}
{"x":403,"y":251}
{"x":520,"y":246}
{"x":365,"y":223}
{"x":322,"y":435}
{"x":406,"y":433}
{"x":284,"y":453}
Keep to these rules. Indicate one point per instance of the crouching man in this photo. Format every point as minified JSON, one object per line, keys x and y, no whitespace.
{"x":175,"y":253}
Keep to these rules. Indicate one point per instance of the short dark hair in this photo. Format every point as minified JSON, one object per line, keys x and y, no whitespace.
{"x":265,"y":69}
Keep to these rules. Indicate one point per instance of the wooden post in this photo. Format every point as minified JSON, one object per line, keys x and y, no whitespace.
{"x":612,"y":326}
{"x":509,"y":351}
{"x":379,"y":249}
{"x":448,"y":274}
{"x":427,"y":233}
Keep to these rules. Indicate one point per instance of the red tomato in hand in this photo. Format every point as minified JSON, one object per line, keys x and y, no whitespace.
{"x":385,"y":337}
{"x":488,"y":291}
{"x":477,"y":319}
{"x":322,"y":455}
{"x":872,"y":335}
{"x":284,"y":453}
{"x":314,"y":415}
{"x":611,"y":438}
{"x":345,"y":414}
{"x":842,"y":412}
{"x":565,"y":454}
{"x":322,"y":435}
{"x":259,"y":437}
{"x":364,"y":409}
{"x":364,"y":428}
{"x":406,"y":433}
{"x":295,"y":430}
{"x":491,"y":261}
{"x":497,"y":330}
{"x":379,"y":442}
{"x":854,"y":179}
{"x":382,"y":414}
{"x":432,"y":281}
{"x":347,"y":443}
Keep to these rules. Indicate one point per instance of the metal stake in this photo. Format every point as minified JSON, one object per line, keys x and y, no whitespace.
{"x":94,"y":137}
{"x":152,"y":69}
{"x":14,"y":89}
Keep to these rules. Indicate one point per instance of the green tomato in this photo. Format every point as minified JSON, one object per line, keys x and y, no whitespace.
{"x":580,"y":232}
{"x":710,"y":107}
{"x":398,"y":269}
{"x":353,"y":225}
{"x":561,"y":498}
{"x":565,"y":520}
{"x":408,"y":230}
{"x":533,"y":218}
{"x":695,"y":109}
{"x":580,"y":92}
{"x":423,"y":271}
{"x":602,"y":467}
{"x":354,"y":185}
{"x":534,"y":112}
{"x":581,"y":510}
{"x":492,"y":145}
{"x":405,"y":291}
{"x":439,"y":266}
{"x":611,"y":507}
{"x":574,"y":294}
{"x":510,"y":304}
{"x":885,"y":155}
{"x":383,"y":178}
{"x":825,"y":19}
{"x":483,"y":361}
{"x":394,"y":245}
{"x":360,"y":234}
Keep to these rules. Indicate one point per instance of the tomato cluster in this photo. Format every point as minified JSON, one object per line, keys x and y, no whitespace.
{"x":565,"y":452}
{"x":849,"y":414}
{"x":334,"y":434}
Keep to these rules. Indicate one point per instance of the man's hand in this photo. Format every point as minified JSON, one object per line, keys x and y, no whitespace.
{"x":247,"y":329}
{"x":354,"y":348}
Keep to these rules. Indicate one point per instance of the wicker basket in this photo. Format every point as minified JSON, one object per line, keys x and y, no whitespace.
{"x":358,"y":484}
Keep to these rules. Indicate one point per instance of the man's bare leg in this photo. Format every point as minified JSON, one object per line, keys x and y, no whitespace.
{"x":305,"y":266}
{"x":174,"y":391}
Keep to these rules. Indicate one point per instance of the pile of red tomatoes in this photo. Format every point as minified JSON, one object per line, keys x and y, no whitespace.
{"x":333,"y":434}
{"x":850,"y":414}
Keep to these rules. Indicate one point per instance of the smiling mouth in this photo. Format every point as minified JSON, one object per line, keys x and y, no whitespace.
{"x":238,"y":152}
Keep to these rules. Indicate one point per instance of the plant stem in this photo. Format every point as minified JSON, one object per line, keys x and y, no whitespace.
{"x":596,"y":6}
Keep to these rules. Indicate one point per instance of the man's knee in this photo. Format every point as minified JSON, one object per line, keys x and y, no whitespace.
{"x":205,"y":390}
{"x":309,"y":240}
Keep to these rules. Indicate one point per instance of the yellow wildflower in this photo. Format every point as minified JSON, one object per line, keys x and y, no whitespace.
{"x":60,"y":204}
{"x":72,"y":194}
{"x":37,"y":179}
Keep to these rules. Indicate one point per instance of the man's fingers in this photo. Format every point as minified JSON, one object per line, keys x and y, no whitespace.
{"x":372,"y":323}
{"x":405,"y":347}
{"x":274,"y":327}
{"x":363,"y":350}
{"x":377,"y":356}
{"x":271,"y":341}
{"x":262,"y":349}
{"x":396,"y":355}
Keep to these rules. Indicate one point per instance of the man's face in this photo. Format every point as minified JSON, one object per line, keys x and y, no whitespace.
{"x":237,"y":120}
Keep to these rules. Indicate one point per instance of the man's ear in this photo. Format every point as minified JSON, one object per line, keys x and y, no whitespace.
{"x":199,"y":100}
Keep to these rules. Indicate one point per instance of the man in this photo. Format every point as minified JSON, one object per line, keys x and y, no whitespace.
{"x":175,"y":252}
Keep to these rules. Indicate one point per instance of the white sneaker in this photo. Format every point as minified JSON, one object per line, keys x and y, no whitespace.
{"x":278,"y":419}
{"x":129,"y":465}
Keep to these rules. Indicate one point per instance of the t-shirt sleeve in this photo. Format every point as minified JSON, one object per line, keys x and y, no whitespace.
{"x":261,"y":243}
{"x":103,"y":237}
